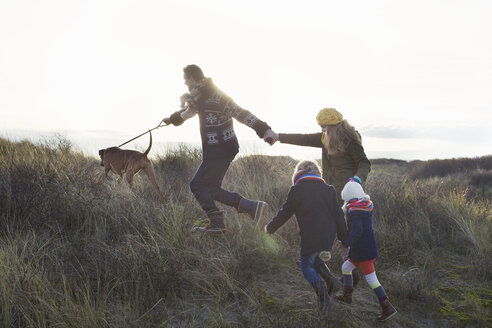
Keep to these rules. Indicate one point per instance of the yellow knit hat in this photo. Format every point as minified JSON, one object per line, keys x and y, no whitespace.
{"x":329,"y":116}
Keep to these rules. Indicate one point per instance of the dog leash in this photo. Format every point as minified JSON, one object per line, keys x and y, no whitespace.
{"x":158,"y":126}
{"x":269,"y":140}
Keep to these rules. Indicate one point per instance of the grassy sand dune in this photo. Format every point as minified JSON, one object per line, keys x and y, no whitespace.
{"x":79,"y":250}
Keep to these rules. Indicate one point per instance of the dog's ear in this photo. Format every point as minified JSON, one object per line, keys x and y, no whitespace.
{"x":101,"y":154}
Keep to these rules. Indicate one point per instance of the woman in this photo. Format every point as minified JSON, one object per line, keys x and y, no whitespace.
{"x":343,"y":156}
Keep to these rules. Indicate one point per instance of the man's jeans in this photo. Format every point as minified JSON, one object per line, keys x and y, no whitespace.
{"x":206,"y":185}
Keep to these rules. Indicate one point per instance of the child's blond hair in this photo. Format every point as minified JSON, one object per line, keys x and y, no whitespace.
{"x":307,"y":165}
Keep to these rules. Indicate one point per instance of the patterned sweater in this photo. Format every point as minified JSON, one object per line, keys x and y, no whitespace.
{"x":215,"y":110}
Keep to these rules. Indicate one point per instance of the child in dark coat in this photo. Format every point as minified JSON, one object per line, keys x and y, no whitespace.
{"x":319,"y":217}
{"x":361,"y":245}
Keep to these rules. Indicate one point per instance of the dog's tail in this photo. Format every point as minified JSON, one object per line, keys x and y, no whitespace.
{"x":150,"y":145}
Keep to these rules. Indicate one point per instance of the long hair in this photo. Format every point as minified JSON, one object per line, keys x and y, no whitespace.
{"x":339,"y":137}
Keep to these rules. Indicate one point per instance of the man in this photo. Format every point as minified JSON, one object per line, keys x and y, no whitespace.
{"x":219,"y":144}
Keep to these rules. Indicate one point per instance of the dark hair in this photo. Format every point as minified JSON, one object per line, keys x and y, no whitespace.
{"x":194,"y":72}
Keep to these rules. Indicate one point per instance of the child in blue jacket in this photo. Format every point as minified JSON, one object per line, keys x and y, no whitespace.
{"x":361,"y":243}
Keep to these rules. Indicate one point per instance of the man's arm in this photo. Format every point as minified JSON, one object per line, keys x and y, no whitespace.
{"x":246,"y":117}
{"x":177,"y":118}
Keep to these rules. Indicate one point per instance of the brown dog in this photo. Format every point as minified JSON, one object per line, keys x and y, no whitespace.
{"x":129,"y":162}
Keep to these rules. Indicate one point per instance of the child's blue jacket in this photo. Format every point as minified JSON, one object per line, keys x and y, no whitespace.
{"x":360,"y":237}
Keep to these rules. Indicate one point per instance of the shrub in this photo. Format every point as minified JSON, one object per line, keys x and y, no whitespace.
{"x":444,"y":167}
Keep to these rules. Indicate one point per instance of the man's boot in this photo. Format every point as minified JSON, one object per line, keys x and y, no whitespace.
{"x":253,"y":208}
{"x":216,"y":224}
{"x":331,"y":281}
{"x":346,"y":297}
{"x":323,"y":296}
{"x":388,"y":310}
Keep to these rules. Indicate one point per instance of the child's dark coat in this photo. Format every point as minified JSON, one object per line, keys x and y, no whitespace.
{"x":318,"y":214}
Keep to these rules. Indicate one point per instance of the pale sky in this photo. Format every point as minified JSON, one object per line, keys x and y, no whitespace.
{"x":413,"y":77}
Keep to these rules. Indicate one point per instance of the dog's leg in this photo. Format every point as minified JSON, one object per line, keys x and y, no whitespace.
{"x":120,"y":179}
{"x":149,"y":172}
{"x":106,"y":172}
{"x":129,"y":177}
{"x":107,"y":169}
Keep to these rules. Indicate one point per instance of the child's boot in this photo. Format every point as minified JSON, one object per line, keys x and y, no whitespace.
{"x":388,"y":310}
{"x":331,"y":281}
{"x":253,"y":208}
{"x":323,"y":296}
{"x":216,"y":224}
{"x":346,"y":297}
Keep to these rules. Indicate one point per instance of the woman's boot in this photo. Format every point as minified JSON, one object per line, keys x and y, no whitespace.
{"x":388,"y":310}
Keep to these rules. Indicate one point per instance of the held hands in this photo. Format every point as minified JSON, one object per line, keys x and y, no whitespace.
{"x":270,"y":137}
{"x":342,"y":250}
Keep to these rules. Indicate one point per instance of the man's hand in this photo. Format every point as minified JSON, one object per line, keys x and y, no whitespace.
{"x":270,"y":137}
{"x":166,"y":121}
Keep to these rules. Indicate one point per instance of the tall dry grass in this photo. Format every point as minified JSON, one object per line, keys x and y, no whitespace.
{"x":434,"y":236}
{"x":78,"y":250}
